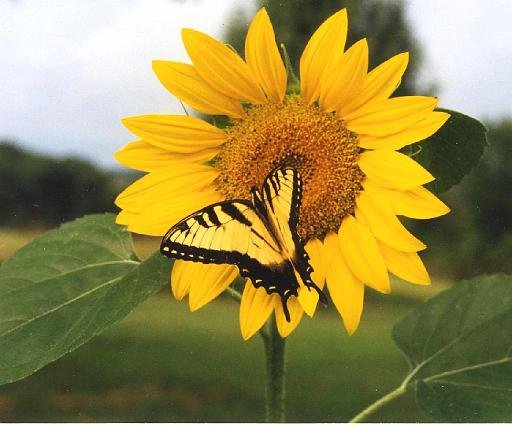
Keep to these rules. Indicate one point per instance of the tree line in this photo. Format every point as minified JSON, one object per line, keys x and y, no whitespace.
{"x":37,"y":190}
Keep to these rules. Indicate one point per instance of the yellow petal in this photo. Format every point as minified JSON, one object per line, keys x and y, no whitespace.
{"x":163,"y":197}
{"x":156,"y":219}
{"x":389,"y":116}
{"x":212,"y":280}
{"x":406,"y":265}
{"x":393,"y":169}
{"x":361,"y":253}
{"x":308,"y":298}
{"x":255,"y":308}
{"x":144,"y":156}
{"x":183,"y":81}
{"x":344,"y":79}
{"x":415,"y":133}
{"x":164,"y":184}
{"x":296,"y":312}
{"x":415,"y":203}
{"x":263,"y":58}
{"x":221,"y":67}
{"x":384,"y":225}
{"x":324,"y":46}
{"x":176,"y":133}
{"x":315,"y":250}
{"x":125,"y":217}
{"x":379,"y":83}
{"x":330,"y":240}
{"x":182,"y":275}
{"x":346,"y":290}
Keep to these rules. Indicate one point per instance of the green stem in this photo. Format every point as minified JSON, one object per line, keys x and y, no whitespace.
{"x":361,"y":416}
{"x":237,"y":296}
{"x":274,"y":351}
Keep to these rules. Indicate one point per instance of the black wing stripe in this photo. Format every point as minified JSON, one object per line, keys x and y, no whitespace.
{"x":258,"y":203}
{"x":275,"y":184}
{"x":235,"y":214}
{"x":201,"y":221}
{"x":268,"y":195}
{"x":277,"y":279}
{"x":212,"y":216}
{"x":259,"y":236}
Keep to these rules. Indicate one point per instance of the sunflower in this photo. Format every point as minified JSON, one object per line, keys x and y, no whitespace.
{"x":342,"y":132}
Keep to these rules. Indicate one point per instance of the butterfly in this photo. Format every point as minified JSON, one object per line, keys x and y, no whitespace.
{"x":258,"y":236}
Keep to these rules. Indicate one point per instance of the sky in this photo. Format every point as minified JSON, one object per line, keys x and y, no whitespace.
{"x":70,"y":69}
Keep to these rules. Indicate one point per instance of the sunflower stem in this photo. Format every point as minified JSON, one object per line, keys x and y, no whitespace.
{"x":275,"y":387}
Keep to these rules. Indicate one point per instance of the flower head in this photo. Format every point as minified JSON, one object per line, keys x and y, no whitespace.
{"x":342,"y":132}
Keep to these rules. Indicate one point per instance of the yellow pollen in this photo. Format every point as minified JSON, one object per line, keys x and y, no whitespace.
{"x":294,"y":134}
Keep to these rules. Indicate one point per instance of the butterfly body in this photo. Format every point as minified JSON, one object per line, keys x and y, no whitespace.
{"x":258,"y":236}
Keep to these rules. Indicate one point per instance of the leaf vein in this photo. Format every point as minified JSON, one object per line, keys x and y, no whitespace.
{"x":70,"y":301}
{"x":472,"y":385}
{"x":468,"y":368}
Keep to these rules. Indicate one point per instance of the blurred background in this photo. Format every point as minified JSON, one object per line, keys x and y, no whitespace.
{"x":70,"y":70}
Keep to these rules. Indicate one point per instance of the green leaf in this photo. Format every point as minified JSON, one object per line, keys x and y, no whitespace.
{"x":453,"y":151}
{"x":459,"y":345}
{"x":67,"y":286}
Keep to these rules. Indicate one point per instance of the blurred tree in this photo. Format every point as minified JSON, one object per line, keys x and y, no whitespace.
{"x":489,"y":187}
{"x":383,"y":23}
{"x":44,"y":191}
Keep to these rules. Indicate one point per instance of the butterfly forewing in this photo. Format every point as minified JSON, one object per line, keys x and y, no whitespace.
{"x":228,"y":232}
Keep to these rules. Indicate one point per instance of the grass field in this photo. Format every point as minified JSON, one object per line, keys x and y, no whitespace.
{"x":163,"y":363}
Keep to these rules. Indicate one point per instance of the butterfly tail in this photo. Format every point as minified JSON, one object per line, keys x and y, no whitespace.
{"x":321,"y":296}
{"x":284,"y":302}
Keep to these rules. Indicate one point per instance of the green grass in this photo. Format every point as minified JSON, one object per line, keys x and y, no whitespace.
{"x":163,"y":363}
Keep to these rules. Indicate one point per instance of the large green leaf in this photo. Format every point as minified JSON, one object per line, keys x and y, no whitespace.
{"x":66,"y":287}
{"x":459,"y":345}
{"x":453,"y":151}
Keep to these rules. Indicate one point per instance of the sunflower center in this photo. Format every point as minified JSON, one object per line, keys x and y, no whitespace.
{"x":294,"y":134}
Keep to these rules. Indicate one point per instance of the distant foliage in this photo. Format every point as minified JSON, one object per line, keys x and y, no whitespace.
{"x":37,"y":190}
{"x":383,"y":23}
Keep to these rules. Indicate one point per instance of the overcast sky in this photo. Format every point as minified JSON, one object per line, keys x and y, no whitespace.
{"x":70,"y":69}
